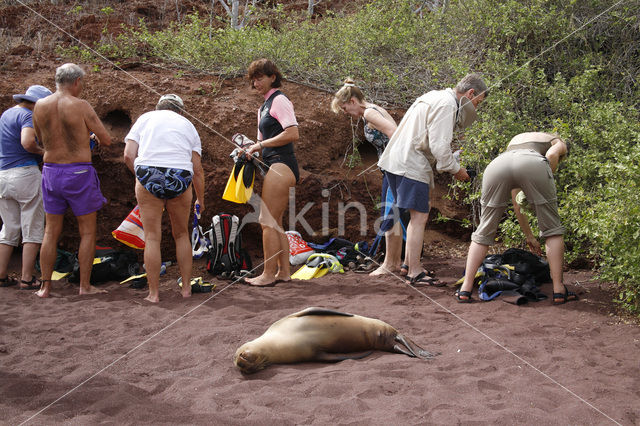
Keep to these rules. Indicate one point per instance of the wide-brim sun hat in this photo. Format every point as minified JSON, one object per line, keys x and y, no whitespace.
{"x":33,"y":94}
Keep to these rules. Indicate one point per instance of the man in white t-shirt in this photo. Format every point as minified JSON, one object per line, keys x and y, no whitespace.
{"x":164,"y":151}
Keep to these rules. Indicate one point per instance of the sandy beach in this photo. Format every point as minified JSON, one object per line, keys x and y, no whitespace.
{"x":113,"y":358}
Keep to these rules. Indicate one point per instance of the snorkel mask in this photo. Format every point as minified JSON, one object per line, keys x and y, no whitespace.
{"x":466,"y":114}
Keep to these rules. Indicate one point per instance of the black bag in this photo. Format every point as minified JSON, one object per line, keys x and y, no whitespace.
{"x":514,"y":270}
{"x":528,"y":264}
{"x":226,"y":257}
{"x":113,"y":265}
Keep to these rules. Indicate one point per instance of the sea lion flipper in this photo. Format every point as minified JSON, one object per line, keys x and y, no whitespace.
{"x":320,"y":311}
{"x":329,"y":357}
{"x":411,"y":349}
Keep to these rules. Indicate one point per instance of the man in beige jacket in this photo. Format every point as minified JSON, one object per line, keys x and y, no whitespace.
{"x":421,"y":141}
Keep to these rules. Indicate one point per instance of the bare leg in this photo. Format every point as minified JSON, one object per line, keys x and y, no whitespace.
{"x":5,"y":257}
{"x":48,"y":254}
{"x":415,"y":238}
{"x":29,"y":253}
{"x":87,"y":251}
{"x":179,"y":209}
{"x":284,"y":268}
{"x":476,"y":255}
{"x":275,"y":198}
{"x":151,"y":217}
{"x":555,"y":256}
{"x":392,"y":257}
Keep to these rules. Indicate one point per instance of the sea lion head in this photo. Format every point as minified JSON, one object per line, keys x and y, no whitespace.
{"x":250,"y":358}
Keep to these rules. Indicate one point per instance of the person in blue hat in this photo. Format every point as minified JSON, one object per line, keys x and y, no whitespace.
{"x":20,"y":191}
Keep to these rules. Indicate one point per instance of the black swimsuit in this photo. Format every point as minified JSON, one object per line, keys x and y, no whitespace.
{"x":270,"y":127}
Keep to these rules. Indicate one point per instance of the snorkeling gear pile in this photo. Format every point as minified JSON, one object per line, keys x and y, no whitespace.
{"x":514,"y":276}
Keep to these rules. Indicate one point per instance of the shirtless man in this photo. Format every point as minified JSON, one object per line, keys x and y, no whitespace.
{"x":63,"y":124}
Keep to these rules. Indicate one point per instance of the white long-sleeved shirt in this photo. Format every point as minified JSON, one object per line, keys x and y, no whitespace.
{"x":423,"y":138}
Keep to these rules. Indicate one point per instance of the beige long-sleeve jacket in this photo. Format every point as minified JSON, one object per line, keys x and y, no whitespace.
{"x":423,"y":139}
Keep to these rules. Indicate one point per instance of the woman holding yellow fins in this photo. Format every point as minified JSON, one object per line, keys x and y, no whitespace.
{"x":277,"y":132}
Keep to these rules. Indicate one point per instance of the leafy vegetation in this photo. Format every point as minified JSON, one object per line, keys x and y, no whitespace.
{"x":569,"y":66}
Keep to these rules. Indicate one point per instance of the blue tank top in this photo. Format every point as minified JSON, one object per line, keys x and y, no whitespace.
{"x":375,"y":137}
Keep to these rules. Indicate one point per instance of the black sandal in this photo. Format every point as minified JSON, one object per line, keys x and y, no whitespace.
{"x":29,"y":285}
{"x":7,"y":282}
{"x":460,"y":294}
{"x":562,"y":298}
{"x":404,"y":270}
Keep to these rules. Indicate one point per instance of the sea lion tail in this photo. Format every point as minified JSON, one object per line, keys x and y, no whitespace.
{"x":408,"y":347}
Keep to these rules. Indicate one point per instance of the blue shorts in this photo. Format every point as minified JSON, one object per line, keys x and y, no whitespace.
{"x":74,"y":185}
{"x":408,"y":193}
{"x":163,"y":182}
{"x":389,"y":211}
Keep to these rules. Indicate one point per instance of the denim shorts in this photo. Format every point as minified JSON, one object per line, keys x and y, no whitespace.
{"x":409,"y":193}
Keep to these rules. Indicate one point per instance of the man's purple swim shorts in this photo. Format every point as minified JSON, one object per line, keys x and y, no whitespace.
{"x":74,"y":185}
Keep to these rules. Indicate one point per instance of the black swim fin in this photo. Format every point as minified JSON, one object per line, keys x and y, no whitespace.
{"x":244,"y":188}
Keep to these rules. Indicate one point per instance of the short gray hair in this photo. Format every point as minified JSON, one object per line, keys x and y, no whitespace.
{"x":472,"y":81}
{"x":68,"y":73}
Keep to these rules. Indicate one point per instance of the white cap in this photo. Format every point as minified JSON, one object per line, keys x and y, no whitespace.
{"x":172,"y":98}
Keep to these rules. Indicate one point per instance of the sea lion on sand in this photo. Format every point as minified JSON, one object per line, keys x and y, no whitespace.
{"x":317,"y":334}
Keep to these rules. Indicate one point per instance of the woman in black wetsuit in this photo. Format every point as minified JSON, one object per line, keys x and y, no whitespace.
{"x":277,"y":132}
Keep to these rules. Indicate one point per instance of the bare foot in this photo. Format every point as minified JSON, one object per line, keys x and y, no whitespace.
{"x":45,"y":288}
{"x":154,"y":299}
{"x":43,"y":292}
{"x":91,"y":290}
{"x":261,"y":281}
{"x":383,"y":270}
{"x":282,"y":278}
{"x":186,"y":293}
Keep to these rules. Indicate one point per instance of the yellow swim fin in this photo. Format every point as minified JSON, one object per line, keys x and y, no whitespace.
{"x":231,"y":189}
{"x":305,"y":273}
{"x":321,"y":270}
{"x":318,"y":265}
{"x":133,"y":277}
{"x":55,"y":275}
{"x":476,"y":281}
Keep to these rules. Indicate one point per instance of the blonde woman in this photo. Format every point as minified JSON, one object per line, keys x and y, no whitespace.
{"x":378,"y":128}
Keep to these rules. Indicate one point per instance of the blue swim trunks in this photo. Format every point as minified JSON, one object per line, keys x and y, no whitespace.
{"x":163,"y":182}
{"x":74,"y":185}
{"x":409,"y":193}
